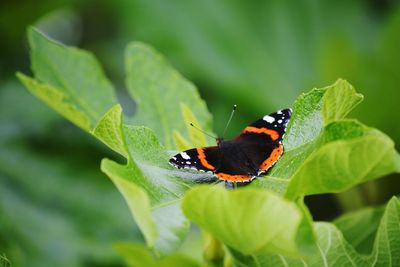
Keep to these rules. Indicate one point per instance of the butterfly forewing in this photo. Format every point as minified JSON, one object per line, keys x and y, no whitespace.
{"x":261,"y":141}
{"x":270,"y":128}
{"x":202,"y":159}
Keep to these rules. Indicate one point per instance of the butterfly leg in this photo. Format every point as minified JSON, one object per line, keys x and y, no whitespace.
{"x":228,"y":185}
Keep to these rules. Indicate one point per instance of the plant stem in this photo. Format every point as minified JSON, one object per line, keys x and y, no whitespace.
{"x":213,"y":252}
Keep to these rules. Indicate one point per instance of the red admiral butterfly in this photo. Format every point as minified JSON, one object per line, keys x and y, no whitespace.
{"x":256,"y":149}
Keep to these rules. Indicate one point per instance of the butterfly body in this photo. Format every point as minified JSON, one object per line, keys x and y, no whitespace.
{"x":251,"y":153}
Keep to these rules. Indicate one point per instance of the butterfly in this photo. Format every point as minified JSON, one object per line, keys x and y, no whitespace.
{"x":255,"y":150}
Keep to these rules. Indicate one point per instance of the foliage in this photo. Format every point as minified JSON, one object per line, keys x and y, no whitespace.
{"x":4,"y":262}
{"x":324,"y":153}
{"x":137,"y":255}
{"x":273,"y":50}
{"x":139,"y":145}
{"x":51,"y":198}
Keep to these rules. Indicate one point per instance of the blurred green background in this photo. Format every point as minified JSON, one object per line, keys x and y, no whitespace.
{"x":58,"y":209}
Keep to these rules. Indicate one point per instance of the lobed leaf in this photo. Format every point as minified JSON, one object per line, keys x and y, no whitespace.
{"x":308,"y":120}
{"x":57,"y":100}
{"x":160,"y":93}
{"x":325,"y":152}
{"x":71,"y":81}
{"x":348,"y":154}
{"x":75,"y":73}
{"x":334,"y":250}
{"x":151,"y":189}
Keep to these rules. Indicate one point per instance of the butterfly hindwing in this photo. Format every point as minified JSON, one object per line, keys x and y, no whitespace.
{"x":235,"y":165}
{"x":263,"y":156}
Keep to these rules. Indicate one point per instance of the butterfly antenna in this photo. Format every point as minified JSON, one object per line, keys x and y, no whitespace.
{"x":197,"y":128}
{"x":230,"y":118}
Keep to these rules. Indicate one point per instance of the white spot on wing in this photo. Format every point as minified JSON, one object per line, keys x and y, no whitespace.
{"x":279,"y":121}
{"x":269,"y":119}
{"x":185,"y":155}
{"x":279,"y":111}
{"x":187,"y":162}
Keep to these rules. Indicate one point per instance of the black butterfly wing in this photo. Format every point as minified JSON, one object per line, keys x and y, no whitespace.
{"x":262,"y":156}
{"x":227,"y":163}
{"x":268,"y":129}
{"x":261,"y":141}
{"x":202,"y":159}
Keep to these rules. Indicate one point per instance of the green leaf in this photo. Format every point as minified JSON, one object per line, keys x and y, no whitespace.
{"x":60,"y":195}
{"x":151,"y":189}
{"x":387,"y":241}
{"x":276,"y":45}
{"x":349,"y":154}
{"x":339,"y":100}
{"x":109,"y":131}
{"x":326,"y":153}
{"x":136,"y":255}
{"x":136,"y":198}
{"x":307,"y":124}
{"x":180,"y":142}
{"x":198,"y":138}
{"x":317,"y":108}
{"x":323,"y":153}
{"x":75,"y":73}
{"x":160,"y":93}
{"x":359,"y":228}
{"x":332,"y":250}
{"x":250,"y":220}
{"x":70,"y":81}
{"x":57,"y":100}
{"x":335,"y":250}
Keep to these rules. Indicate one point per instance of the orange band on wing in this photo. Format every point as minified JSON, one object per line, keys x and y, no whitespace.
{"x":273,"y":134}
{"x":203,"y":160}
{"x":233,"y":178}
{"x":276,"y":153}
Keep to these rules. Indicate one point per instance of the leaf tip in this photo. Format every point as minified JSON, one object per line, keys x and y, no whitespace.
{"x":138,"y":47}
{"x":32,"y":32}
{"x":20,"y":75}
